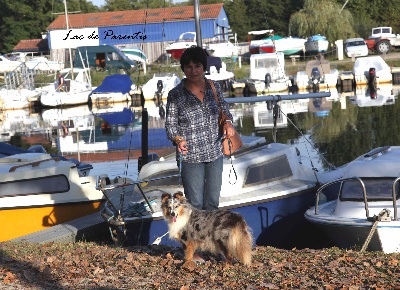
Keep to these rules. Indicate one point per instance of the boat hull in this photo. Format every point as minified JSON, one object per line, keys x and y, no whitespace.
{"x":362,"y":66}
{"x":274,"y":222}
{"x":176,"y":53}
{"x":353,"y":234}
{"x":266,"y":49}
{"x":16,"y":224}
{"x":289,"y":45}
{"x":259,"y":87}
{"x":316,"y":46}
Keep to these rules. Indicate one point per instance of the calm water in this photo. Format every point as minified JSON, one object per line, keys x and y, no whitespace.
{"x":341,"y":127}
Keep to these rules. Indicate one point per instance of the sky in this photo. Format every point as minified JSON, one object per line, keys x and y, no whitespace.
{"x":98,"y":2}
{"x":102,"y":2}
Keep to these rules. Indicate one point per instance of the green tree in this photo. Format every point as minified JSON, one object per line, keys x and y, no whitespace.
{"x":324,"y":17}
{"x":369,"y":14}
{"x":26,"y":19}
{"x":238,"y":20}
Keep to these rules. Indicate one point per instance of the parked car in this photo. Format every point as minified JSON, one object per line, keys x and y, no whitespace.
{"x":104,"y":57}
{"x":355,"y":47}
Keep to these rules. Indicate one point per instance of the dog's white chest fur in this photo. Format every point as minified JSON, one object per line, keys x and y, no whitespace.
{"x":175,"y":228}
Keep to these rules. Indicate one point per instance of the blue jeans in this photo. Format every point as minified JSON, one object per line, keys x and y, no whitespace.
{"x":202,"y":183}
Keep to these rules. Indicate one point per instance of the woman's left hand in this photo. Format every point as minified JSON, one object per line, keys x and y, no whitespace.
{"x":229,"y":131}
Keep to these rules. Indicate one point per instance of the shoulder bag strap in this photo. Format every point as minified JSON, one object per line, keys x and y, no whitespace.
{"x":214,"y":91}
{"x":219,"y":104}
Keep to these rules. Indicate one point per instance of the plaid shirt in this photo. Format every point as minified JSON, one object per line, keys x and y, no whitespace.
{"x":196,"y":122}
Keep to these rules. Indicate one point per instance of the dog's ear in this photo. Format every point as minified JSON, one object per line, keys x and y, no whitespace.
{"x":179,"y":195}
{"x":165,"y":197}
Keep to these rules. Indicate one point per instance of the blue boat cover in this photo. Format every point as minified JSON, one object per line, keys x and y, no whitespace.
{"x":116,"y":83}
{"x":124,"y":117}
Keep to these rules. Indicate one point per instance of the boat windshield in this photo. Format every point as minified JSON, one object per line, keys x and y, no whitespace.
{"x":378,"y":189}
{"x":267,"y":62}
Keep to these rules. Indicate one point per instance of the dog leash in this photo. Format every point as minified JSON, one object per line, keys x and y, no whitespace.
{"x":180,"y":168}
{"x":158,"y":240}
{"x":233,"y":168}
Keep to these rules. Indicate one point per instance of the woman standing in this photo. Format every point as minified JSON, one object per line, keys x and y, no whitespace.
{"x":192,"y":125}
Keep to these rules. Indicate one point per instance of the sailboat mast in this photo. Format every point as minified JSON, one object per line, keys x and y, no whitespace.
{"x":197,"y":22}
{"x":69,"y":47}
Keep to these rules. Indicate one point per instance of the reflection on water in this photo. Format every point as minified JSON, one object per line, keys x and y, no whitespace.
{"x":341,"y":127}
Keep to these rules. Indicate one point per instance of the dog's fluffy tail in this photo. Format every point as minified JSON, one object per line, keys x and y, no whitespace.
{"x":241,"y":242}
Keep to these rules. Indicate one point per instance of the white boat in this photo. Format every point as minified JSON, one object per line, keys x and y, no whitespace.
{"x":362,"y":66}
{"x":38,"y":191}
{"x":75,"y":91}
{"x":134,"y":53}
{"x":19,"y":90}
{"x":316,"y":44}
{"x":269,"y":184}
{"x":184,"y":41}
{"x":363,"y":211}
{"x":217,"y":71}
{"x":41,"y":63}
{"x":318,"y":75}
{"x":7,"y":65}
{"x":222,"y":48}
{"x":115,"y":88}
{"x":290,"y":45}
{"x":267,"y":74}
{"x":254,"y":45}
{"x":159,"y":85}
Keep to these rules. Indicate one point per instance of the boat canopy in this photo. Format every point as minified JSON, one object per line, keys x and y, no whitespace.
{"x":117,"y":83}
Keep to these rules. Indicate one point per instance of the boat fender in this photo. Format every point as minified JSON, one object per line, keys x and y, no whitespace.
{"x":372,"y":82}
{"x":270,"y":105}
{"x":160,"y":86}
{"x":267,"y":80}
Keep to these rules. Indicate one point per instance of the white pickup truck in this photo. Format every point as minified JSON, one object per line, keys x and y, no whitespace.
{"x":383,"y":40}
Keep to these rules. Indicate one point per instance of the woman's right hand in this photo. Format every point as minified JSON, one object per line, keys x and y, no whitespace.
{"x":182,"y":147}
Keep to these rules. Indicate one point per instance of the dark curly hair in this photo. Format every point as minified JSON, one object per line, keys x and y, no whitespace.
{"x":195,"y":54}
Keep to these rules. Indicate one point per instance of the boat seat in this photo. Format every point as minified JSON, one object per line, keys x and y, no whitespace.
{"x":67,"y":85}
{"x":294,"y":57}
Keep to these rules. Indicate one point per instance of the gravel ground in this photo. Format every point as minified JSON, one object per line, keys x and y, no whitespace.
{"x":93,"y":266}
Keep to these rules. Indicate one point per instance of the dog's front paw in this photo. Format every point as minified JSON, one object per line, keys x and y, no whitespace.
{"x":189,"y":265}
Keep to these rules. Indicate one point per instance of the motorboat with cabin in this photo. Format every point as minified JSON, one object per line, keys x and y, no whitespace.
{"x":266,"y":183}
{"x":38,"y":190}
{"x":360,"y":210}
{"x":318,"y":75}
{"x":267,"y":74}
{"x":184,"y":41}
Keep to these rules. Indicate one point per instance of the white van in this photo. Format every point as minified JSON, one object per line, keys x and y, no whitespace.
{"x":355,"y":47}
